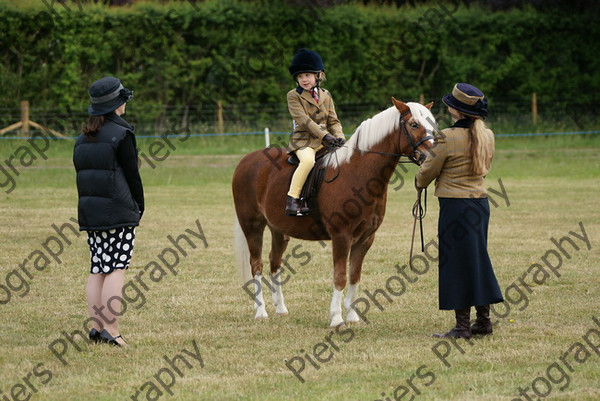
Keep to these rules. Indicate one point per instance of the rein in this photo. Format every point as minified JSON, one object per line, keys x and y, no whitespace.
{"x":419,"y":212}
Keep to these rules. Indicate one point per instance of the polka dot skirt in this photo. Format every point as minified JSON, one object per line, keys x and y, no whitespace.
{"x":110,"y":250}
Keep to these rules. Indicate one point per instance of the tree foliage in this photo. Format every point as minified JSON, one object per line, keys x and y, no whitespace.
{"x":238,"y":52}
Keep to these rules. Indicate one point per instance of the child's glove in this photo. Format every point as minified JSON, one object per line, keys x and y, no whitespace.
{"x":329,"y":140}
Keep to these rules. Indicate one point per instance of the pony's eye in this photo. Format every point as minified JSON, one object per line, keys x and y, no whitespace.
{"x":414,"y":125}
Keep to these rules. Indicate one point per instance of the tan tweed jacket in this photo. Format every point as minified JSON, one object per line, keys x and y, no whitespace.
{"x":449,"y":164}
{"x":312,"y":120}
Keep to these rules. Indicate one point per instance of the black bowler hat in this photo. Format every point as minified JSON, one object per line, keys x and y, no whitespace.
{"x":306,"y":61}
{"x":468,"y":100}
{"x":106,"y":95}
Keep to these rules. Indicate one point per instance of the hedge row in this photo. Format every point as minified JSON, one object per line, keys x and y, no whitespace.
{"x":238,"y":52}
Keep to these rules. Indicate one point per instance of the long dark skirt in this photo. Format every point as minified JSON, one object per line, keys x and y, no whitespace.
{"x":466,"y":276}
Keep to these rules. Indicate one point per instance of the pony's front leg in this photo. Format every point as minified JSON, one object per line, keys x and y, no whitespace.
{"x":351,"y":296}
{"x":341,"y":246}
{"x":259,"y":301}
{"x":335,"y":310}
{"x":357,"y":256}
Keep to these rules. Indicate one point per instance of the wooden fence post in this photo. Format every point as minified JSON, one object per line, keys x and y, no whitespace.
{"x":25,"y":123}
{"x":422,"y":98}
{"x":25,"y":117}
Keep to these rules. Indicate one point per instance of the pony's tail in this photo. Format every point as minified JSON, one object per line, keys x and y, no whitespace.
{"x":242,"y":253}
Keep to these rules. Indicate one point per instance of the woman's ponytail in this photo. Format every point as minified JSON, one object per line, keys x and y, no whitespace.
{"x":480,"y":150}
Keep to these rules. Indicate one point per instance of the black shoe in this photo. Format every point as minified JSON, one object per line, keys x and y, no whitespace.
{"x":94,"y":335}
{"x":105,"y":337}
{"x":292,"y":207}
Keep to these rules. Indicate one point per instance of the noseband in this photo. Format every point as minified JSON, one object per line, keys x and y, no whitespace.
{"x":416,"y":156}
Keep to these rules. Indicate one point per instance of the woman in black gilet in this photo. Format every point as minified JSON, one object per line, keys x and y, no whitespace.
{"x":111,"y":202}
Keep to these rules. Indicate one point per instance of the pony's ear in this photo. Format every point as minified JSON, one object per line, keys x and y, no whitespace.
{"x":429,"y":105}
{"x":401,"y":106}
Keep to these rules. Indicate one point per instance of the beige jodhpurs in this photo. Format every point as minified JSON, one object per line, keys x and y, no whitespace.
{"x":307,"y":161}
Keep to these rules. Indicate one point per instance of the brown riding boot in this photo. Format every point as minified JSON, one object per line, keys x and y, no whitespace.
{"x":463,"y":325}
{"x":483,"y":324}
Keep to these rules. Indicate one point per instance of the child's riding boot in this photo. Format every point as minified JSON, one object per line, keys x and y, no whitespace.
{"x":292,"y":207}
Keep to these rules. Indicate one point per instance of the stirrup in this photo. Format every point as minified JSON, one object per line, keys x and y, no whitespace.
{"x":294,"y":207}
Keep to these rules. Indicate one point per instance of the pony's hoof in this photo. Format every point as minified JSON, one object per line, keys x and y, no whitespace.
{"x":336,"y":322}
{"x":281,"y":311}
{"x":352,"y":317}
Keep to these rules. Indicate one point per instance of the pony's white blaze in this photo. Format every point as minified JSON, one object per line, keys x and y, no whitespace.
{"x":373,"y":130}
{"x":424,"y":117}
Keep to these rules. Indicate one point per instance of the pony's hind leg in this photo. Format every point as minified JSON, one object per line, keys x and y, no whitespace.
{"x":279,"y":243}
{"x":357,"y":255}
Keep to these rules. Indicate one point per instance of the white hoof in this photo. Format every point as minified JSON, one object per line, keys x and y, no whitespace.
{"x":336,"y":320}
{"x":352,"y":316}
{"x":281,"y":310}
{"x":261,"y":313}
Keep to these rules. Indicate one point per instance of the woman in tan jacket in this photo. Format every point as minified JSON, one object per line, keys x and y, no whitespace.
{"x":459,"y":162}
{"x":315,"y":121}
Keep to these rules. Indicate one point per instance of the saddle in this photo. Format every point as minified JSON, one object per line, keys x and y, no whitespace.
{"x":310,"y":190}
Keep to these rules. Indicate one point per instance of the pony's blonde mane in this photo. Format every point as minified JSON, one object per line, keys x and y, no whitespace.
{"x":373,"y":130}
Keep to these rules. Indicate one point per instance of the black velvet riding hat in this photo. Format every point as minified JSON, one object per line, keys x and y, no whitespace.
{"x":106,"y":95}
{"x":468,"y":100}
{"x":306,"y":61}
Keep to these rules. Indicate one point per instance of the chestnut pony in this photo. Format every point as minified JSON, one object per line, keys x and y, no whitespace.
{"x":351,"y":202}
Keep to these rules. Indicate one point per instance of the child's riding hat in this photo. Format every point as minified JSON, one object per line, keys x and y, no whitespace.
{"x":107,"y":94}
{"x":306,"y":61}
{"x":468,"y":100}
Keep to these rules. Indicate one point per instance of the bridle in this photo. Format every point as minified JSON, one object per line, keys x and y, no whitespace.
{"x":416,"y":156}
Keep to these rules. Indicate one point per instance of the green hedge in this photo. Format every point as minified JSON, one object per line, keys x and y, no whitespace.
{"x":238,"y":52}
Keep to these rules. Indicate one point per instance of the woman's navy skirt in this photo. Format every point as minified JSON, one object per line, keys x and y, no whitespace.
{"x":466,"y":276}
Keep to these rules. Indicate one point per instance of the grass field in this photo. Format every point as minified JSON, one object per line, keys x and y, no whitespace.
{"x":547,"y":343}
